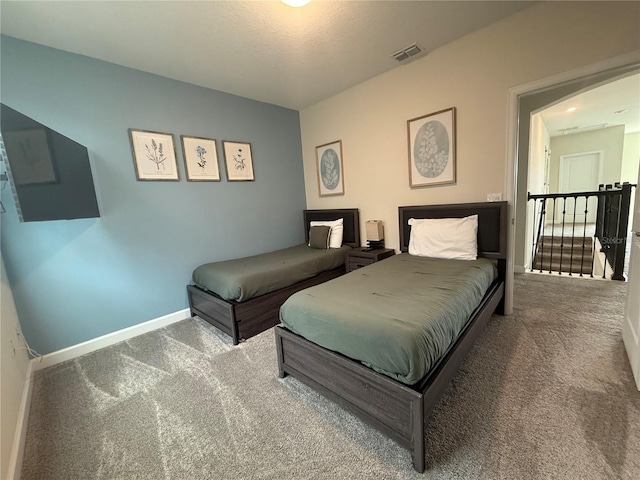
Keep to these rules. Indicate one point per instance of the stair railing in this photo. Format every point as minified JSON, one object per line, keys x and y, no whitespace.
{"x":612,"y":225}
{"x":612,"y":217}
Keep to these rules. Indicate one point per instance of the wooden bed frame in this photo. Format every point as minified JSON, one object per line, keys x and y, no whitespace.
{"x":396,"y":409}
{"x":242,"y":320}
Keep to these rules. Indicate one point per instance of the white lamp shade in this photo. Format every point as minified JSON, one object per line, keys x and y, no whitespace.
{"x":374,"y":230}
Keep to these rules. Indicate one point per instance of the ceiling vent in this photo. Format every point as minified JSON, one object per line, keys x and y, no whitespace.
{"x":566,"y":131}
{"x":405,"y":53}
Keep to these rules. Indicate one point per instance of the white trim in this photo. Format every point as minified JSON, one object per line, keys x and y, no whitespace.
{"x":17,"y":451}
{"x":510,"y":194}
{"x":89,"y":346}
{"x":512,"y":143}
{"x":519,"y":269}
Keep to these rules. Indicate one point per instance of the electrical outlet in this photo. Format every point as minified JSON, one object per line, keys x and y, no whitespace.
{"x":494,"y":197}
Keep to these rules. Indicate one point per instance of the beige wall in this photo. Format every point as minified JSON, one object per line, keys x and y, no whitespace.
{"x":609,"y":141}
{"x":473,"y":74}
{"x":630,"y":158}
{"x":13,"y":374}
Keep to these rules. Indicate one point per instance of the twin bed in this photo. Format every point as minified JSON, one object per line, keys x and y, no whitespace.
{"x":384,"y":341}
{"x":242,"y":297}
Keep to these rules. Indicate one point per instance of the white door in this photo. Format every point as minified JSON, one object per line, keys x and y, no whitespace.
{"x":578,"y":173}
{"x":631,"y":325}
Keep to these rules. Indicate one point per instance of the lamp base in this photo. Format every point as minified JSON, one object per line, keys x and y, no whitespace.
{"x":375,"y":244}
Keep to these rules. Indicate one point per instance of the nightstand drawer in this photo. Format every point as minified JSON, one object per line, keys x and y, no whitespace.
{"x":358,"y":262}
{"x":359,"y":258}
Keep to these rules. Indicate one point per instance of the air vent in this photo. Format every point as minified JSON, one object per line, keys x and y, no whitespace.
{"x":406,"y":52}
{"x":566,"y":131}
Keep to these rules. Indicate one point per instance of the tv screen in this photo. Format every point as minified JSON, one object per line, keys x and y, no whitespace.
{"x":50,"y":173}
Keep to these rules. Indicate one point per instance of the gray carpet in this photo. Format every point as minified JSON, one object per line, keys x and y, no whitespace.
{"x":546,"y":393}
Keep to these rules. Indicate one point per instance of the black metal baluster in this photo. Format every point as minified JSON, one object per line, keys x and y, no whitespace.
{"x":584,"y":235}
{"x":553,"y":227}
{"x":544,"y":212}
{"x":536,"y":238}
{"x":564,"y":213}
{"x":573,"y":234}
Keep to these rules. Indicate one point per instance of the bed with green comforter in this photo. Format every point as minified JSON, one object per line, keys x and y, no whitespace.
{"x":243,"y":278}
{"x":397,"y":316}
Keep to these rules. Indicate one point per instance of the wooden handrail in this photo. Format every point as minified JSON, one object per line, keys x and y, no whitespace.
{"x":595,"y":193}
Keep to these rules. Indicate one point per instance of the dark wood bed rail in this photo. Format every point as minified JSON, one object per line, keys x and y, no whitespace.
{"x":242,"y":320}
{"x":401,"y":411}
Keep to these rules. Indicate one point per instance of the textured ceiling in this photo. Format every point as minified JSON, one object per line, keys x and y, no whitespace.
{"x":262,"y":50}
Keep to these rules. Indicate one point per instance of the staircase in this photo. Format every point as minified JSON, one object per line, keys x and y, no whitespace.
{"x":570,"y":254}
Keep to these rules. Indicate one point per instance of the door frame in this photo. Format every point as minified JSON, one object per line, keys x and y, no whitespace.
{"x":631,"y":332}
{"x":511,"y":154}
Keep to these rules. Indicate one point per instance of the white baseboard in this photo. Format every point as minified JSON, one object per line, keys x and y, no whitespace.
{"x":89,"y":346}
{"x":17,"y":452}
{"x":519,"y":269}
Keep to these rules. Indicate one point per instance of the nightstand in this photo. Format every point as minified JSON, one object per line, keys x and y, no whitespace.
{"x":357,"y":258}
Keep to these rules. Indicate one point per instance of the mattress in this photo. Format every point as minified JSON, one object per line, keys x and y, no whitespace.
{"x":397,"y":316}
{"x":244,"y":278}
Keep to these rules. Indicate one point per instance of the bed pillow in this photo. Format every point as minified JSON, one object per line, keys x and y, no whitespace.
{"x":319,"y":237}
{"x":453,"y":238}
{"x":337,"y":229}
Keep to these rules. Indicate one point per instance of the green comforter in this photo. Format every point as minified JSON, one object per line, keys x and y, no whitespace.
{"x":397,"y":316}
{"x":244,"y":278}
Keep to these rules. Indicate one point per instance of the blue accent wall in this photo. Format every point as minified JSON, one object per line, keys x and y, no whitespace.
{"x":76,"y":280}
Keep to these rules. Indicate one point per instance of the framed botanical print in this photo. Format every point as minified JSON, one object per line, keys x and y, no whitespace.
{"x":238,"y":161}
{"x":200,"y":159}
{"x":330,"y":171}
{"x":154,"y":155}
{"x":432,"y":149}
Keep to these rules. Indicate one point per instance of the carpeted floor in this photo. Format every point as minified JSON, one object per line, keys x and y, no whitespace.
{"x":546,"y":393}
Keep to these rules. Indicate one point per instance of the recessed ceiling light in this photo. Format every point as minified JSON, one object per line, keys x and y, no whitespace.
{"x":572,"y":109}
{"x":625,"y":110}
{"x":295,"y":3}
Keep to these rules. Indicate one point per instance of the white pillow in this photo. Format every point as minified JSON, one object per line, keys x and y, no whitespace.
{"x":337,"y":229}
{"x":453,"y":238}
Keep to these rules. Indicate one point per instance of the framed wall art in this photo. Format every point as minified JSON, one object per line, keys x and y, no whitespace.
{"x":238,"y":161}
{"x":200,"y":159}
{"x":154,"y":155}
{"x":432,"y":149}
{"x":31,"y":156}
{"x":330,"y":170}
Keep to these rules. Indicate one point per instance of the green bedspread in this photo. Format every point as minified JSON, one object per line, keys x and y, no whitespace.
{"x":244,"y":278}
{"x":397,"y":316}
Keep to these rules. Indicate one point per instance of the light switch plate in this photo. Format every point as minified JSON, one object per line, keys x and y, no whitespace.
{"x":494,"y":197}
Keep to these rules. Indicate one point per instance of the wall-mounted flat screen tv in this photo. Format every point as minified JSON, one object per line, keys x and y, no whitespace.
{"x":50,"y":173}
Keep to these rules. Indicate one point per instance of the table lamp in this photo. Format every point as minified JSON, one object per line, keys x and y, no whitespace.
{"x":375,"y":234}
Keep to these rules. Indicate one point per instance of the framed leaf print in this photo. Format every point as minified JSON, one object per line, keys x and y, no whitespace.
{"x":238,"y":161}
{"x":200,"y":159}
{"x":432,"y":149}
{"x":330,"y":171}
{"x":154,"y":155}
